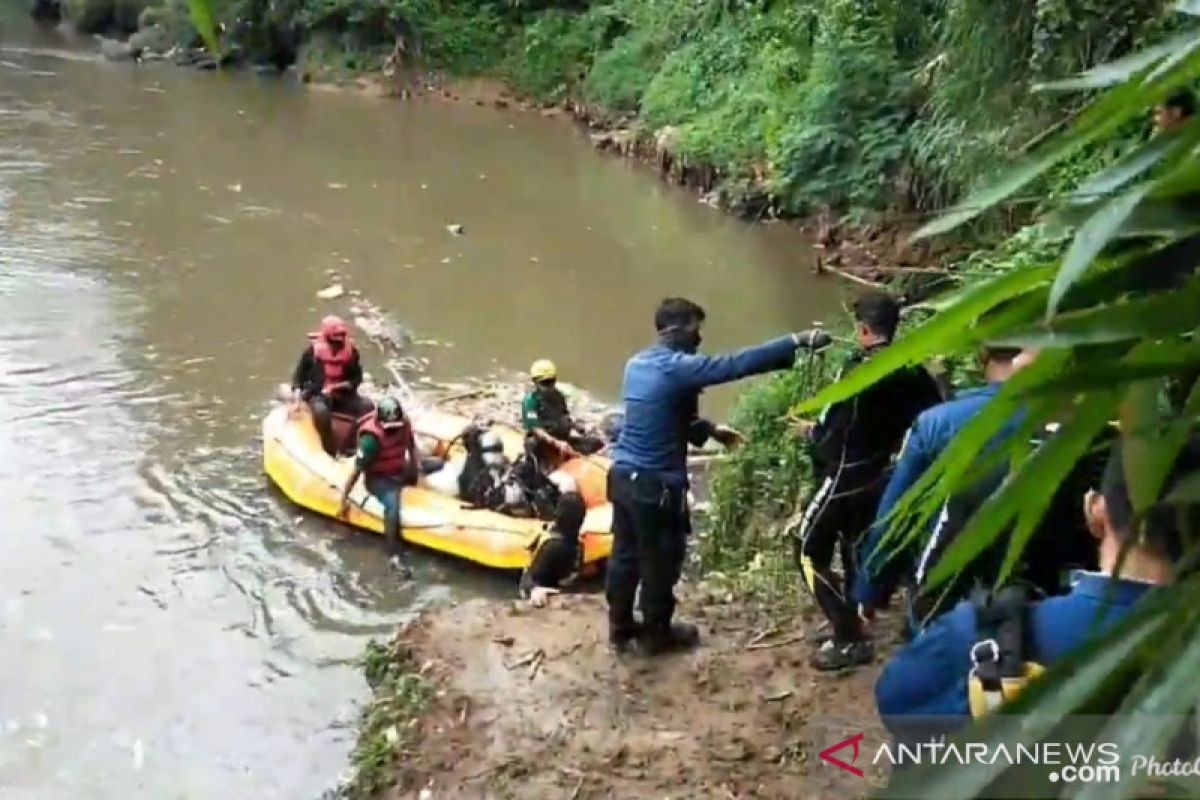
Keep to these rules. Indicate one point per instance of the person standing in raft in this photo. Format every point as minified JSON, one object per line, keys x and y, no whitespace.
{"x":648,"y":481}
{"x":387,"y":456}
{"x":327,"y":377}
{"x":547,"y":420}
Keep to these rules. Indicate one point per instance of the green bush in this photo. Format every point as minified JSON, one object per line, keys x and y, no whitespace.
{"x":761,"y":482}
{"x":621,"y":74}
{"x":553,"y":53}
{"x":849,"y":136}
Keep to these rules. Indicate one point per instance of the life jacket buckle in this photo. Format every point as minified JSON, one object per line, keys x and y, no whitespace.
{"x":989,"y":648}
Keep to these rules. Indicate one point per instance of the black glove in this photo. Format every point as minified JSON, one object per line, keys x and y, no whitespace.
{"x":812,"y":339}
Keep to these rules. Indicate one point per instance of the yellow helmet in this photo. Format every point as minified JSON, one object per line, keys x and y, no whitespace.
{"x":543,"y":370}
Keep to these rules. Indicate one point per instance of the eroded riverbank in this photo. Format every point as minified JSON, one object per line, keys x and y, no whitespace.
{"x":489,"y":700}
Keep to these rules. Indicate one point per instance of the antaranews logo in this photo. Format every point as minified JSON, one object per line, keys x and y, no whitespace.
{"x":1064,"y":762}
{"x":828,"y":754}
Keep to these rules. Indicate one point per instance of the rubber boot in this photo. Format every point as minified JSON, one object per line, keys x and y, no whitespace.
{"x":623,"y":635}
{"x":678,"y":638}
{"x":835,"y":656}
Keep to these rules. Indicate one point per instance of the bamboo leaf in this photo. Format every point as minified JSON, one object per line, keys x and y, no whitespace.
{"x":1150,"y":715}
{"x":1104,"y":116}
{"x":1021,"y":495}
{"x":1132,"y":166}
{"x":1124,"y":69}
{"x":203,"y":20}
{"x":1050,"y":466}
{"x":1091,"y":239}
{"x":1155,"y":315}
{"x":1146,"y":454}
{"x":1160,"y":360}
{"x":1173,"y":217}
{"x":1186,"y":490}
{"x":945,"y":332}
{"x":951,"y":471}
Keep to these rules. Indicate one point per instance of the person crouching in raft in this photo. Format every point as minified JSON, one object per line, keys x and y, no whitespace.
{"x":327,"y":377}
{"x":558,"y":552}
{"x":547,"y":419}
{"x":387,"y":456}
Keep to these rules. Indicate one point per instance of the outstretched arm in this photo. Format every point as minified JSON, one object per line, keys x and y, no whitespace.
{"x":696,"y":371}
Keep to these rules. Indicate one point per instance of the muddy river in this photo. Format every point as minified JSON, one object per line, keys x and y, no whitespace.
{"x":170,"y":628}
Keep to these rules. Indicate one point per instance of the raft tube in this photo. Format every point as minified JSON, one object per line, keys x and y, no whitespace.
{"x":295,"y":461}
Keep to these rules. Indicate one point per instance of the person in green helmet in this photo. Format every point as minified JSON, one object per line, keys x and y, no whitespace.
{"x":387,"y":456}
{"x":547,"y":420}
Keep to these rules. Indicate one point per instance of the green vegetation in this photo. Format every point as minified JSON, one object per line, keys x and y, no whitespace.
{"x":1115,"y":317}
{"x":400,"y":695}
{"x":869,"y":106}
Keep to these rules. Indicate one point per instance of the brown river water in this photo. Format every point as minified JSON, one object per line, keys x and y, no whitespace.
{"x":169,"y":626}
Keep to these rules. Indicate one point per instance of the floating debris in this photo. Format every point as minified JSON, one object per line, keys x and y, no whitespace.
{"x":215,"y":218}
{"x":332,"y":292}
{"x":446,"y":260}
{"x":139,"y":754}
{"x":234,"y":187}
{"x":455,"y":229}
{"x":336,"y":185}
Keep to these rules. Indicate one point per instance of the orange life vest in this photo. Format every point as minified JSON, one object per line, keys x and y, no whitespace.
{"x":394,"y":443}
{"x":333,"y":363}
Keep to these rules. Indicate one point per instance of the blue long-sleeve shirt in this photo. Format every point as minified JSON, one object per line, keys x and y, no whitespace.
{"x":879,"y":573}
{"x":661,"y":391}
{"x":924,"y":683}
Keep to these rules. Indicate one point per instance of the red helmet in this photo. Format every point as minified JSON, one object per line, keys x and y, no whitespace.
{"x":333,"y":327}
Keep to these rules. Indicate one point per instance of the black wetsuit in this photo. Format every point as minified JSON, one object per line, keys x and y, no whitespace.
{"x":852,"y":446}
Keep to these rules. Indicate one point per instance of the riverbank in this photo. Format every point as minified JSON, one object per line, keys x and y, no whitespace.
{"x":487,"y":700}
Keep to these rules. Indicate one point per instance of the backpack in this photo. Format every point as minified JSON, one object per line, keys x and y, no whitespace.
{"x":1001,"y":664}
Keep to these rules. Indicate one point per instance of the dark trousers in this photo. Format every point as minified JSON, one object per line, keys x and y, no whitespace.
{"x":390,"y":492}
{"x":650,"y":529}
{"x":325,"y":406}
{"x":836,"y":518}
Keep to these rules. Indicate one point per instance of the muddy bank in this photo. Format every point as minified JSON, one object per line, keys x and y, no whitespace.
{"x":489,"y":700}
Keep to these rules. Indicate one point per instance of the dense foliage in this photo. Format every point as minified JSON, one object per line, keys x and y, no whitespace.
{"x":1115,"y":317}
{"x":870,"y":105}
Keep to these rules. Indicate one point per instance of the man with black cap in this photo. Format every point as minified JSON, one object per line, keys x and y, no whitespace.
{"x":648,"y":482}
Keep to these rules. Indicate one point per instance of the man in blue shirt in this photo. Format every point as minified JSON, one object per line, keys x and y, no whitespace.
{"x":648,"y":481}
{"x":880,"y":572}
{"x":924,"y":686}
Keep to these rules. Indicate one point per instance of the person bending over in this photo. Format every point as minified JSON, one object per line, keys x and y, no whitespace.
{"x":387,"y":456}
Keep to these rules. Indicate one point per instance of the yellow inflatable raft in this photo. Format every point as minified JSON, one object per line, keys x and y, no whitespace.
{"x":295,"y":461}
